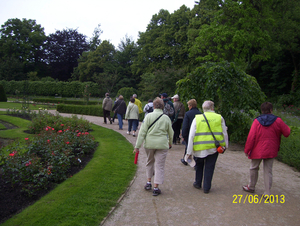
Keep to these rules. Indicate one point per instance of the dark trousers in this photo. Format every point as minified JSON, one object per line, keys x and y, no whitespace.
{"x":106,"y":114}
{"x":208,"y":164}
{"x":176,"y":127}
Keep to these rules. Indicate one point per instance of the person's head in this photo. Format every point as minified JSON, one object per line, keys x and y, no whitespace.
{"x":107,"y":94}
{"x":150,"y":100}
{"x":175,"y":98}
{"x":192,"y":104}
{"x":121,"y":97}
{"x":132,"y":100}
{"x":208,"y":106}
{"x":134,"y":96}
{"x":158,"y":103}
{"x":163,"y":96}
{"x":266,"y":108}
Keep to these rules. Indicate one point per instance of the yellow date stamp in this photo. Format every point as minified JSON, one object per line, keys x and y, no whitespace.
{"x":257,"y":200}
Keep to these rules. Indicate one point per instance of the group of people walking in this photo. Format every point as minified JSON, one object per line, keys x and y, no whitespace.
{"x":200,"y":132}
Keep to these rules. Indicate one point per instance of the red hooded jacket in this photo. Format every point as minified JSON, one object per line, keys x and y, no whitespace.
{"x":264,"y":138}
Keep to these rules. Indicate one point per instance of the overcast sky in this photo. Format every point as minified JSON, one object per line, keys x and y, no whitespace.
{"x":117,"y":17}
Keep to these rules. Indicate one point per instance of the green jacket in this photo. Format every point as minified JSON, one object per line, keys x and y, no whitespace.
{"x":132,"y":111}
{"x":159,"y":136}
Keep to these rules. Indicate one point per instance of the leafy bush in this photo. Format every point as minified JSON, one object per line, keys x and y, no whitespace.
{"x":64,"y":101}
{"x":289,"y":149}
{"x":228,"y":87}
{"x":3,"y":97}
{"x":127,"y":92}
{"x":47,"y":157}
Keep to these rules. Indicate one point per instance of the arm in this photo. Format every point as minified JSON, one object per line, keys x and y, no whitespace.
{"x":190,"y":148}
{"x":251,"y":138}
{"x":224,"y":131}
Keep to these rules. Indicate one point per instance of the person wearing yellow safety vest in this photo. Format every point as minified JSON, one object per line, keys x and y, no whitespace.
{"x":201,"y":144}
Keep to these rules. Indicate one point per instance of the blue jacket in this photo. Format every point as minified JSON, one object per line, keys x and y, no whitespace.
{"x":187,"y":122}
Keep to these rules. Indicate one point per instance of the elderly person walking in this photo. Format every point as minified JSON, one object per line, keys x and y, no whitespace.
{"x":120,"y":109}
{"x":107,"y":106}
{"x":263,"y":144}
{"x":178,"y":119}
{"x":132,"y":115}
{"x":157,"y":134}
{"x":202,"y":144}
{"x":187,"y":122}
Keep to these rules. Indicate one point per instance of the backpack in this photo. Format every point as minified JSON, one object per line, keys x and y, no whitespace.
{"x":168,"y":110}
{"x":150,"y":109}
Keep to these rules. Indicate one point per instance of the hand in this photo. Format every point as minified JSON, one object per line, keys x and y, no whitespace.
{"x":188,"y":156}
{"x":246,"y":154}
{"x":170,"y":146}
{"x":136,"y":150}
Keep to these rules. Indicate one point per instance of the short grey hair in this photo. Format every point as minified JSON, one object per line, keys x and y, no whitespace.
{"x":208,"y":105}
{"x":134,"y":96}
{"x":158,"y":103}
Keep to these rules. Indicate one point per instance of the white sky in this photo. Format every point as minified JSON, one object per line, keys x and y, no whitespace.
{"x":117,"y":17}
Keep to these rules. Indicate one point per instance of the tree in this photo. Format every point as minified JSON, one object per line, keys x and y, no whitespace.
{"x":99,"y":66}
{"x":95,"y":40}
{"x":62,"y":50}
{"x":164,"y":44}
{"x":127,"y":51}
{"x":20,"y":48}
{"x":235,"y":94}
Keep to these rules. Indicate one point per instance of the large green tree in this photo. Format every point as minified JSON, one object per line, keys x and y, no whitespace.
{"x":99,"y":66}
{"x":164,"y":43}
{"x":20,"y":48}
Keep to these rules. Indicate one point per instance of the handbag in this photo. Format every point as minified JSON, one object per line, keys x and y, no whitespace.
{"x":220,"y":149}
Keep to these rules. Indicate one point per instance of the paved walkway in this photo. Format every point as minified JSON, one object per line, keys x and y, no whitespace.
{"x":226,"y":204}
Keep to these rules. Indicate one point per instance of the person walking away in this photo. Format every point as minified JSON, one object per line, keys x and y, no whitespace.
{"x":169,"y":107}
{"x":132,"y":115}
{"x":148,"y":108}
{"x":187,"y":122}
{"x":156,"y":133}
{"x":263,"y":144}
{"x":115,"y":114}
{"x":107,"y":106}
{"x":120,"y":109}
{"x":178,"y":118}
{"x":202,"y":144}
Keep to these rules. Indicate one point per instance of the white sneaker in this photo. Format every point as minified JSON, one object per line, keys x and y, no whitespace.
{"x":128,"y":132}
{"x":133,"y":134}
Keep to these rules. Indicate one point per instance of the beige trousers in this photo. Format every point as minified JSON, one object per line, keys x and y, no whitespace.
{"x":155,"y":164}
{"x":254,"y":167}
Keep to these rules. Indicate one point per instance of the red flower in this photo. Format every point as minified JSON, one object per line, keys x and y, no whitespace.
{"x":59,"y":131}
{"x":86,"y":133}
{"x":67,"y":142}
{"x":52,"y":128}
{"x":13,"y":153}
{"x":48,"y":141}
{"x":47,"y":129}
{"x":62,"y":124}
{"x":53,"y":153}
{"x":26,"y":138}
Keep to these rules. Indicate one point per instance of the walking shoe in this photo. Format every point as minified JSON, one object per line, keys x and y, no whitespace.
{"x":196,"y":185}
{"x":206,"y":191}
{"x":128,"y":132}
{"x":148,"y":186}
{"x":247,"y":189}
{"x":156,"y":192}
{"x":133,"y":134}
{"x":183,"y":162}
{"x":110,"y":121}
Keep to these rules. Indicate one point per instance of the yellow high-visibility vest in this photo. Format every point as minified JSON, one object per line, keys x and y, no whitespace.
{"x":203,"y":138}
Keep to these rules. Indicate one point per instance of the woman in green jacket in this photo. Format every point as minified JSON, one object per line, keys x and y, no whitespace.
{"x":157,"y":134}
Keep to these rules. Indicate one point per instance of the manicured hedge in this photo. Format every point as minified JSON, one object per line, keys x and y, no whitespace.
{"x":64,"y":101}
{"x":39,"y":88}
{"x":95,"y":110}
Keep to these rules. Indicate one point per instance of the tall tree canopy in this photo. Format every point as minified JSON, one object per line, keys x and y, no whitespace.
{"x":62,"y":49}
{"x":20,"y":48}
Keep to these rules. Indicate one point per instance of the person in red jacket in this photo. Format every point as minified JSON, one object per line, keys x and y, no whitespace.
{"x":263,"y":144}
